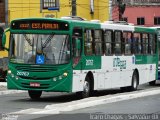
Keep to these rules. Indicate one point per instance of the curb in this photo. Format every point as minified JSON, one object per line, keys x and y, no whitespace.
{"x":4,"y":84}
{"x":4,"y":91}
{"x":89,"y":102}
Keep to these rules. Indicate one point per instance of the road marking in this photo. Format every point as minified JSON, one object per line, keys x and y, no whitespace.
{"x":89,"y":102}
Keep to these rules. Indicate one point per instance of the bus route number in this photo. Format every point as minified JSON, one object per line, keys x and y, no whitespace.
{"x":89,"y":62}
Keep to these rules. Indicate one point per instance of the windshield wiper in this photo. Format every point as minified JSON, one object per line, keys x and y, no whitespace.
{"x":47,"y":41}
{"x":28,"y":40}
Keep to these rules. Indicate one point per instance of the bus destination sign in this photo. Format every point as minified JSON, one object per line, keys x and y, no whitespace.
{"x":39,"y":25}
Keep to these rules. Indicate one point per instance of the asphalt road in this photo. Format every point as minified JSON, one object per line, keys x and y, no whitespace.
{"x":145,"y":108}
{"x":16,"y":102}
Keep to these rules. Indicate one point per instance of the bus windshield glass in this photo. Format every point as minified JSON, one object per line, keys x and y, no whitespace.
{"x":39,"y":49}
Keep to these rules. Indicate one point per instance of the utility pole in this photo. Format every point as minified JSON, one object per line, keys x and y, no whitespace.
{"x":121,"y":8}
{"x":110,"y":9}
{"x":74,"y":8}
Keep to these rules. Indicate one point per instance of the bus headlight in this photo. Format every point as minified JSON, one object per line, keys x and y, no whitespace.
{"x":65,"y":74}
{"x":9,"y":72}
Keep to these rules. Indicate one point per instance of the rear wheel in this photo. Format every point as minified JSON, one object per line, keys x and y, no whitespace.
{"x":34,"y":94}
{"x":134,"y":85}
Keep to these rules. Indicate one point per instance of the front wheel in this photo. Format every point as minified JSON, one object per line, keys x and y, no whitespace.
{"x":86,"y":89}
{"x":34,"y":94}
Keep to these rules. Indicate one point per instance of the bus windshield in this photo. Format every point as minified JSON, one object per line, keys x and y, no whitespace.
{"x":39,"y":49}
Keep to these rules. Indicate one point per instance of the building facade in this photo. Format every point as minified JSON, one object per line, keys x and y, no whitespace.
{"x":88,"y":9}
{"x":2,"y":11}
{"x":139,"y":12}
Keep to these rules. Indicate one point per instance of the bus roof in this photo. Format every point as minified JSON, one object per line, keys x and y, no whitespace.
{"x":144,"y":29}
{"x":117,"y":27}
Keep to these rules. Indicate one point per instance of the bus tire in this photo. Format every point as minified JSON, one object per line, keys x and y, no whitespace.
{"x":134,"y":84}
{"x":152,"y":83}
{"x":34,"y":94}
{"x":86,"y":89}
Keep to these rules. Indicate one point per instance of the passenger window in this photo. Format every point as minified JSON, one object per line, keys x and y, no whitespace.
{"x":88,"y":42}
{"x":98,"y":42}
{"x":145,"y":43}
{"x":127,"y":38}
{"x":108,"y":42}
{"x":152,"y":45}
{"x":117,"y":47}
{"x":136,"y":43}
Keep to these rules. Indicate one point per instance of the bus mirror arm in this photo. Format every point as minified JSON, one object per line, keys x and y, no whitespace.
{"x":7,"y":49}
{"x":4,"y":40}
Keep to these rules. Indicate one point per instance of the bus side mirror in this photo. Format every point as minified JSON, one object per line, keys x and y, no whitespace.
{"x":4,"y":40}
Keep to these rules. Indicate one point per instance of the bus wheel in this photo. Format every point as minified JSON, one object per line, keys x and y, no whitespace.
{"x":34,"y":94}
{"x":134,"y":85}
{"x":86,"y":89}
{"x":152,"y":83}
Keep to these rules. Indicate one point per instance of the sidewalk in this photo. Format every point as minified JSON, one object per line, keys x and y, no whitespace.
{"x":3,"y":86}
{"x":4,"y":90}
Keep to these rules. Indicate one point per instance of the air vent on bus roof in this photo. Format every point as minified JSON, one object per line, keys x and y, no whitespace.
{"x":117,"y":22}
{"x":95,"y":21}
{"x":108,"y":22}
{"x":73,"y":18}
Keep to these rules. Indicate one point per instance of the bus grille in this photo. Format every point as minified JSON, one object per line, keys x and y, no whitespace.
{"x":36,"y":68}
{"x":34,"y":78}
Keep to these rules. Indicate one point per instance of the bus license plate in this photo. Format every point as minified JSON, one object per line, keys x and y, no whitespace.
{"x":34,"y":84}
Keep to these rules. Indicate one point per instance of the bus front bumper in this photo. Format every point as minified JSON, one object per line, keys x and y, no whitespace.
{"x":48,"y":85}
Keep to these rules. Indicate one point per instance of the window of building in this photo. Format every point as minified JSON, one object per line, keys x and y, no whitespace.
{"x":140,"y":21}
{"x":156,"y":20}
{"x":127,"y":39}
{"x":98,"y":42}
{"x":117,"y":46}
{"x":125,"y":19}
{"x":89,"y":42}
{"x":50,"y":3}
{"x":136,"y":44}
{"x":108,"y":42}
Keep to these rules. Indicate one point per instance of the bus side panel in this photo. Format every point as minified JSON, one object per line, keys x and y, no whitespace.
{"x":77,"y":81}
{"x":147,"y":73}
{"x":146,"y":66}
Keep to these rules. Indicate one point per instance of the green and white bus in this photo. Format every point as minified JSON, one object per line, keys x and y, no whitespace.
{"x":57,"y":55}
{"x":158,"y":39}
